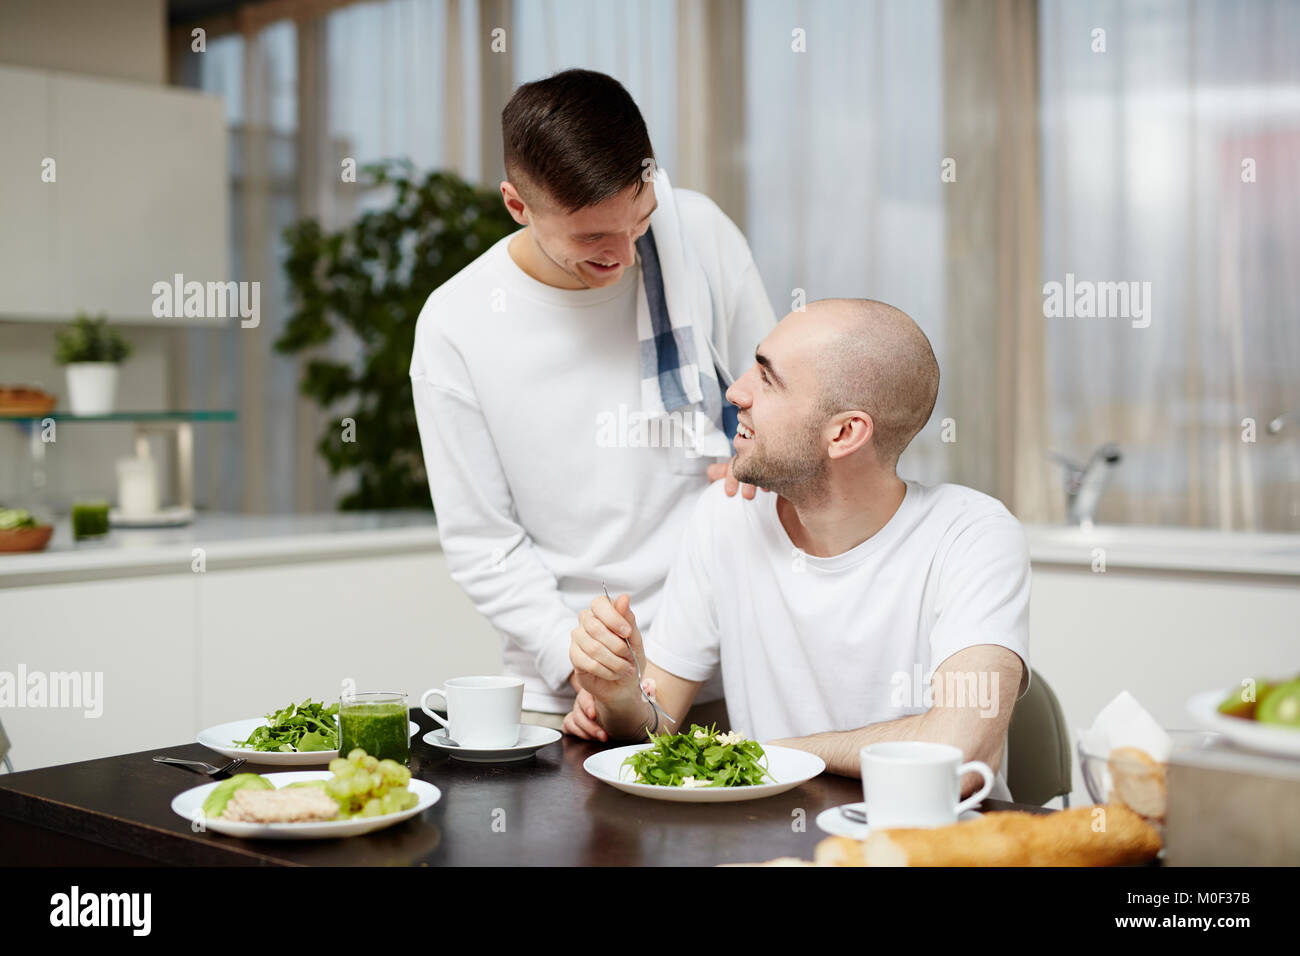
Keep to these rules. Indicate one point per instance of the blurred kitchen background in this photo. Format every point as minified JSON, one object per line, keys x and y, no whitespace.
{"x":947,"y":156}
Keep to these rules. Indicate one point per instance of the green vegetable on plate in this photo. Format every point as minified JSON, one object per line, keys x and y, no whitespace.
{"x":700,"y":757}
{"x":298,"y":728}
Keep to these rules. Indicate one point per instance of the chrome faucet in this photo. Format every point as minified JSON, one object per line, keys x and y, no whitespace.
{"x":1085,"y":483}
{"x":1277,"y":424}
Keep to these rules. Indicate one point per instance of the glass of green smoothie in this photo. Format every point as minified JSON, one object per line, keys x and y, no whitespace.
{"x":89,"y":519}
{"x":377,"y":723}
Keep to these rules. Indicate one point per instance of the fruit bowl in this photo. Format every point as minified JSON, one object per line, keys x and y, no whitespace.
{"x":1129,"y":777}
{"x":26,"y":539}
{"x":1279,"y":735}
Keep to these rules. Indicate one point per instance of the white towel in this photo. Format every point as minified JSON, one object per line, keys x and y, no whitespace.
{"x":674,"y":316}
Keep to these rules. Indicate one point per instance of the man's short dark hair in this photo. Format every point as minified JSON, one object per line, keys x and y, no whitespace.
{"x":577,"y":135}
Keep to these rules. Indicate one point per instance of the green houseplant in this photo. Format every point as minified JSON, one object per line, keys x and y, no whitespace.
{"x":371,"y":278}
{"x":92,"y":353}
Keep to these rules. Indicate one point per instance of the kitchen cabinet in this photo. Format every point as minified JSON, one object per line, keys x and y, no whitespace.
{"x":388,"y":623}
{"x":133,"y":644}
{"x":140,"y":194}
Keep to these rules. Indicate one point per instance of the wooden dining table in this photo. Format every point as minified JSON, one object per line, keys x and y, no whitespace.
{"x":543,"y":811}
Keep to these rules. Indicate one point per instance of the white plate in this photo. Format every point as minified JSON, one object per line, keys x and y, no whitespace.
{"x":190,"y":806}
{"x":1280,"y":741}
{"x":789,"y":767}
{"x":532,"y":738}
{"x":837,"y":824}
{"x":167,"y":518}
{"x":220,"y":738}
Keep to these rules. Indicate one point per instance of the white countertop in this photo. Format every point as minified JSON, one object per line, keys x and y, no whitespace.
{"x":1165,"y":549}
{"x":227,"y":540}
{"x":241,"y":540}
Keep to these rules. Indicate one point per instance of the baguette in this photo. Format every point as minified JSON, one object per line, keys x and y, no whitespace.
{"x":1012,"y":838}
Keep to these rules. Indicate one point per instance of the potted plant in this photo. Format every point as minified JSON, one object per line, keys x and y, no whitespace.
{"x":368,"y":281}
{"x":92,"y":354}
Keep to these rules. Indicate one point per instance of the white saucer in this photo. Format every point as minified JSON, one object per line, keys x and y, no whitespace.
{"x":532,"y":738}
{"x":837,"y":824}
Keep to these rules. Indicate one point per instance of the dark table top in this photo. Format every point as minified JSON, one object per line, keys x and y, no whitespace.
{"x":544,"y":811}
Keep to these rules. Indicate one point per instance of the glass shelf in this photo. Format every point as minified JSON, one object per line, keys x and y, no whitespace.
{"x":211,"y":415}
{"x":176,"y":425}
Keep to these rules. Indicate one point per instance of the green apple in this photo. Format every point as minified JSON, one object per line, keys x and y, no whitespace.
{"x":1281,"y":706}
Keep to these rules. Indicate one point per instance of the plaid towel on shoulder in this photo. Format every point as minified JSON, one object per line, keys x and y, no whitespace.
{"x":675,"y":328}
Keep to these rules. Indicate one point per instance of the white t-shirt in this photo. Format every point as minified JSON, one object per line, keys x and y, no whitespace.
{"x":545,"y":485}
{"x":808,"y":644}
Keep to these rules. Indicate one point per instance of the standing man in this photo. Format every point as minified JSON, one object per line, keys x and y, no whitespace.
{"x":568,"y":383}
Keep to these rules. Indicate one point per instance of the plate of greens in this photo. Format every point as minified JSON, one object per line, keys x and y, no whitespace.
{"x":702,"y":765}
{"x":298,"y":735}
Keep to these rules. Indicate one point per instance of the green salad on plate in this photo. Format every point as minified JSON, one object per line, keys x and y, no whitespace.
{"x":700,"y":757}
{"x":309,"y":726}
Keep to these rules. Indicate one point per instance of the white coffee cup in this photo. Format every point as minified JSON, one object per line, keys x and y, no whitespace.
{"x":482,"y":712}
{"x":917,"y":784}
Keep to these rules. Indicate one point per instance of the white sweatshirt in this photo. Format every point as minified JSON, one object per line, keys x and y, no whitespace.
{"x":528,"y":398}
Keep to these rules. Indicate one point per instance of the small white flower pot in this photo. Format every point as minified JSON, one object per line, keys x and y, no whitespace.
{"x":92,"y":387}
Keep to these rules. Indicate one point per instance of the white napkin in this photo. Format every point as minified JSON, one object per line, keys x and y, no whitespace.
{"x":1125,"y":723}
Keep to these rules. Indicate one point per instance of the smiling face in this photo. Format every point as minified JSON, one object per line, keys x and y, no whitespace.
{"x":838,"y":389}
{"x":588,"y":248}
{"x":780,"y":443}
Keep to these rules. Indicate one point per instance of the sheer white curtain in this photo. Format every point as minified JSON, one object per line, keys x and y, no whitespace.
{"x":397,"y":79}
{"x":636,"y":43}
{"x":1143,"y":153}
{"x":254,"y":467}
{"x":842,"y":160}
{"x":830,"y":160}
{"x":390,"y":94}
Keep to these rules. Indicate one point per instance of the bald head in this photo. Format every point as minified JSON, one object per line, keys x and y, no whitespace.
{"x":874,"y":358}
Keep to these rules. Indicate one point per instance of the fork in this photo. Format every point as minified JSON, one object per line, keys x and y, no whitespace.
{"x":198,"y":766}
{"x":644,"y":696}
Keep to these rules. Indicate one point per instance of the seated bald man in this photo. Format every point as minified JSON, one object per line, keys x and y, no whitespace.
{"x":844,"y":605}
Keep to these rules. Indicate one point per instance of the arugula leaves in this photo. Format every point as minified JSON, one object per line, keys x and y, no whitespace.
{"x":701,"y":758}
{"x":297,"y":728}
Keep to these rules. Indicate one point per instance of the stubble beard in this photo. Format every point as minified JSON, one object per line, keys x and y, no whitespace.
{"x":800,"y":475}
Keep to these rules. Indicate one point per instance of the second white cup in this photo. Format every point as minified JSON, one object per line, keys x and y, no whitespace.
{"x":482,"y":712}
{"x":917,"y":784}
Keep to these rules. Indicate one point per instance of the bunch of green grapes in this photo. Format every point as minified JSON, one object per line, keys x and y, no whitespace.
{"x":367,"y":787}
